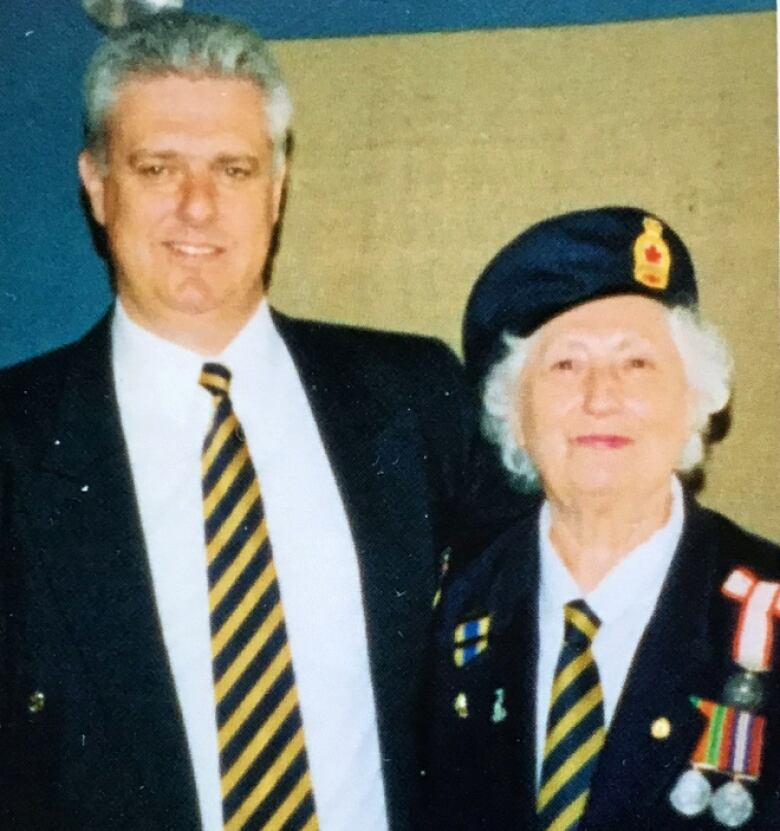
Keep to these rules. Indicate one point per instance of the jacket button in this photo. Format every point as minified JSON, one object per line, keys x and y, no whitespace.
{"x":661,"y":728}
{"x":36,"y":702}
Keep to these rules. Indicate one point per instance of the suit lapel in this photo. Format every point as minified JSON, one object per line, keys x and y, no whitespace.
{"x":674,"y":660}
{"x":376,"y":452}
{"x":517,"y":650}
{"x":499,"y":767}
{"x":87,"y":531}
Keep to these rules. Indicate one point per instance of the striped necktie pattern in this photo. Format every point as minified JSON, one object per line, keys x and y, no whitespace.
{"x":575,"y":725}
{"x":264,"y":770}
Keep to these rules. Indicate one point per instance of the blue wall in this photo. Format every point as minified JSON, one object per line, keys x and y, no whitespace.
{"x":52,"y":283}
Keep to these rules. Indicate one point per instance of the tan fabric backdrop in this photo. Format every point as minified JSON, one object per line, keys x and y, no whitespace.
{"x":417,"y":157}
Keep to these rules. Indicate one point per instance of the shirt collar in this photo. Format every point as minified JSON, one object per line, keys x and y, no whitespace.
{"x":255,"y":356}
{"x":164,"y":376}
{"x":637,"y":578}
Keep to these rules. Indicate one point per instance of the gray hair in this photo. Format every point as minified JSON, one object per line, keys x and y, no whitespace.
{"x":708,"y":368}
{"x":182,"y":43}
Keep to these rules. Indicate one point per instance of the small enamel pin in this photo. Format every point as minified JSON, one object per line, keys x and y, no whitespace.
{"x":461,"y":705}
{"x":732,"y":741}
{"x":499,"y":711}
{"x":444,"y":567}
{"x":470,"y":638}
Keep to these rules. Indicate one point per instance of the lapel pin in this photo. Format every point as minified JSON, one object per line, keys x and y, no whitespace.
{"x":731,"y":742}
{"x":36,"y":702}
{"x":444,"y":567}
{"x":470,"y":638}
{"x":661,"y":728}
{"x":499,"y":711}
{"x":461,"y":705}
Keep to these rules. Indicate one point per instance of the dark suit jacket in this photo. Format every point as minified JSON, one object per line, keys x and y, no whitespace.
{"x":78,"y":620}
{"x":481,"y":775}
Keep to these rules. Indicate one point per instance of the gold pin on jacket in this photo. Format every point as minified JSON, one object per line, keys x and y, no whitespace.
{"x":461,"y":705}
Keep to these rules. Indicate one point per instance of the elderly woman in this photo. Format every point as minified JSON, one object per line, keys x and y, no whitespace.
{"x":608,"y":662}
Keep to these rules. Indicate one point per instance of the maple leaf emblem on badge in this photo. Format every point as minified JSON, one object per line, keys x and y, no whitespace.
{"x":652,"y":258}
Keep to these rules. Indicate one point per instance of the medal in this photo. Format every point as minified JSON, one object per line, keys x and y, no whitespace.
{"x":760,"y":602}
{"x":730,"y":745}
{"x":745,"y":690}
{"x":732,"y":805}
{"x":732,"y":741}
{"x":691,"y":795}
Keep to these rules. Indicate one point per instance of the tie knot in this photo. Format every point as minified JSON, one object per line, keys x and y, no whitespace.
{"x":581,"y":623}
{"x":216,"y":379}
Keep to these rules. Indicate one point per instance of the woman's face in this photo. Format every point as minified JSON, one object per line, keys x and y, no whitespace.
{"x":604,"y":405}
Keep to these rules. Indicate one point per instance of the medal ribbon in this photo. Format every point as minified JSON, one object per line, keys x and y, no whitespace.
{"x":470,"y":639}
{"x":732,"y":742}
{"x":760,"y":601}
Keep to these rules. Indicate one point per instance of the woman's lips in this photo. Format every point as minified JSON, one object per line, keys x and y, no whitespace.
{"x":603,"y":440}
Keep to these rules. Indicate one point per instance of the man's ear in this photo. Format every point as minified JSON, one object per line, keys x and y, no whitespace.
{"x":92,"y":177}
{"x":279,"y":184}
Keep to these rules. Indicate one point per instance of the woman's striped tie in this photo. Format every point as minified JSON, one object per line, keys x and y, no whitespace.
{"x":575,"y":725}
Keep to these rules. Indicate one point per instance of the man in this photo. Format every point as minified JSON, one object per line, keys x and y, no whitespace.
{"x":147,"y":678}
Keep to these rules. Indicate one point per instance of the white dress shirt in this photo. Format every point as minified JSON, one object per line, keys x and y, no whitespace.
{"x":624,"y":601}
{"x":165,"y":415}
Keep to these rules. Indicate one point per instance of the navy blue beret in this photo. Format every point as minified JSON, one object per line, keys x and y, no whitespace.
{"x":568,"y":260}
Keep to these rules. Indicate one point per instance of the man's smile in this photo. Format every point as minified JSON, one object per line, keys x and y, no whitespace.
{"x":190,"y":249}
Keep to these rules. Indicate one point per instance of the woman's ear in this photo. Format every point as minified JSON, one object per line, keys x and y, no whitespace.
{"x":517,"y":415}
{"x":693,"y":405}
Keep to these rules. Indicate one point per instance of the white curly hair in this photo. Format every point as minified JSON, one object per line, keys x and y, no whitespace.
{"x":708,"y":368}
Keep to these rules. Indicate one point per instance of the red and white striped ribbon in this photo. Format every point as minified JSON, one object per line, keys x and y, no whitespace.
{"x":760,"y":601}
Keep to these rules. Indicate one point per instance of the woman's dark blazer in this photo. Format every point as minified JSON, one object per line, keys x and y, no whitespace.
{"x":480,"y":774}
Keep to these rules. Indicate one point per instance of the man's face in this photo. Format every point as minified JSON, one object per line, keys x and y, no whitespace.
{"x":188,"y":200}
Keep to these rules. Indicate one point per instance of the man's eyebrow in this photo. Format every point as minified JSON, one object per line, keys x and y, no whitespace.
{"x":231,"y":158}
{"x":222,"y":159}
{"x":138,"y":155}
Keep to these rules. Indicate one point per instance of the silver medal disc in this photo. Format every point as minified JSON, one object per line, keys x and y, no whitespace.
{"x":744,"y":690}
{"x":732,"y":805}
{"x":691,"y":795}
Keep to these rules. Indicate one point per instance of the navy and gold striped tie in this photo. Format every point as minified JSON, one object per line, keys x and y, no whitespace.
{"x":264,"y":770}
{"x":575,"y":725}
